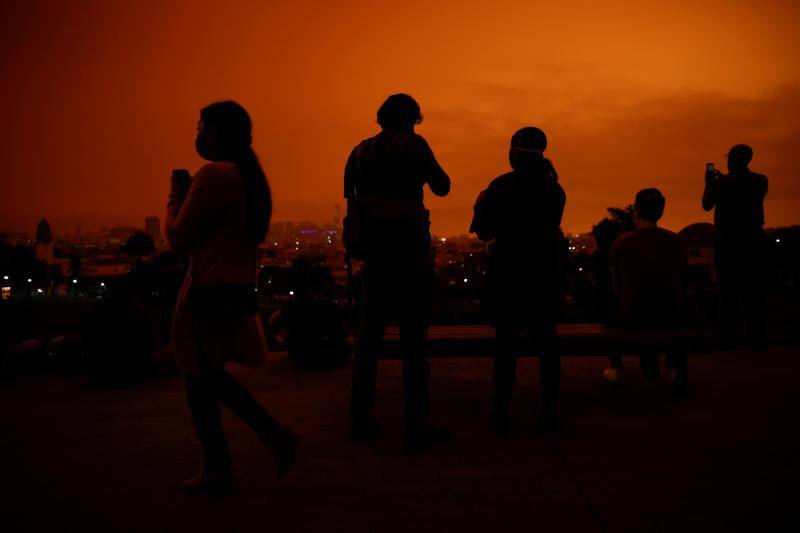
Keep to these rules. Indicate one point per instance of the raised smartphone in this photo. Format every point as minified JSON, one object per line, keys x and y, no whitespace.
{"x":710,"y":167}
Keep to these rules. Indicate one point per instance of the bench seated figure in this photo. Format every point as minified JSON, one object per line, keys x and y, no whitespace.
{"x":647,"y":268}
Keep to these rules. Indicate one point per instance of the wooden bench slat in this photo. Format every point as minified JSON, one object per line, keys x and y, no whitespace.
{"x":574,"y":339}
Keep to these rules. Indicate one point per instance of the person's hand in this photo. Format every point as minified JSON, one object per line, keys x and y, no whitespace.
{"x":711,"y":175}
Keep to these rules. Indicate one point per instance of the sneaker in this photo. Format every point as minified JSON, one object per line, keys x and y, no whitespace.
{"x":283,"y":443}
{"x":363,"y":430}
{"x":208,"y":482}
{"x":425,"y":437}
{"x":613,"y":375}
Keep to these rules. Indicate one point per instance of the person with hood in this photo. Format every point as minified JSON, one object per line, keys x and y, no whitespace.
{"x":520,"y":213}
{"x":387,"y":227}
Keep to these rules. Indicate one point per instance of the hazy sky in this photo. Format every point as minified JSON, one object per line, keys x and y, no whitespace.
{"x":100,"y":99}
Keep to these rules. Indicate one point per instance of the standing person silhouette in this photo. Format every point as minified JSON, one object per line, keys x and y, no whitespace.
{"x":217,"y":219}
{"x":387,"y":227}
{"x":521,"y":212}
{"x":740,"y":250}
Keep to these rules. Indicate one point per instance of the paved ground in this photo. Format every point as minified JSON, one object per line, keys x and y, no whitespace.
{"x":633,"y":458}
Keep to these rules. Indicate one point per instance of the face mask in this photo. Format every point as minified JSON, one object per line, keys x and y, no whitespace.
{"x":201,"y":144}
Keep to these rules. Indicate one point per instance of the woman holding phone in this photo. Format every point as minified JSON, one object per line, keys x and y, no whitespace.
{"x":217,"y":219}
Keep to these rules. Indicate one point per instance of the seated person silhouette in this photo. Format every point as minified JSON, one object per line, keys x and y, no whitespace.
{"x":521,"y":213}
{"x":647,"y":271}
{"x":738,"y":202}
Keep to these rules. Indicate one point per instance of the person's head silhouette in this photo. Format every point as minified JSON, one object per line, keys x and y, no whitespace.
{"x":527,"y":146}
{"x":400,"y":112}
{"x":649,"y":206}
{"x":739,"y":157}
{"x":224,"y":131}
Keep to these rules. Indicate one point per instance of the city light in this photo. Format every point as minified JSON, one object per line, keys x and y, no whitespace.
{"x":74,"y":281}
{"x":40,"y":291}
{"x":291,"y":293}
{"x":30,"y":280}
{"x":580,"y":269}
{"x":5,"y":278}
{"x":102,"y":284}
{"x":465,"y":280}
{"x":778,"y":240}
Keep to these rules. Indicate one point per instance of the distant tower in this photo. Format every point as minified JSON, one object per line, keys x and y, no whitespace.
{"x":152,"y":226}
{"x":43,"y":249}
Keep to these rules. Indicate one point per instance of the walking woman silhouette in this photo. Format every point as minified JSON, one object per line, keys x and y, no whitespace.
{"x":217,"y":219}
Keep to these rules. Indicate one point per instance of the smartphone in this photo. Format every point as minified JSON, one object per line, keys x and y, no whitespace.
{"x":710,"y":167}
{"x":181,"y":178}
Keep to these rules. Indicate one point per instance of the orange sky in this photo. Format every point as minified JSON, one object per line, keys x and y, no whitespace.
{"x":100,"y":99}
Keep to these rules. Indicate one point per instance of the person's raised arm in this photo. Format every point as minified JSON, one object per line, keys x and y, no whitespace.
{"x":710,"y":191}
{"x":434,"y":174}
{"x":189,"y":216}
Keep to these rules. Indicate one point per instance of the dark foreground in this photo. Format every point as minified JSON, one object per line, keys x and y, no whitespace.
{"x":631,"y":458}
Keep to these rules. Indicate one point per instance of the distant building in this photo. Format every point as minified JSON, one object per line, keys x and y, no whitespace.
{"x":43,"y":248}
{"x":120,"y":234}
{"x":152,"y":226}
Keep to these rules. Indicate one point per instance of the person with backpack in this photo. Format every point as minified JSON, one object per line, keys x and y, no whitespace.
{"x":387,"y":227}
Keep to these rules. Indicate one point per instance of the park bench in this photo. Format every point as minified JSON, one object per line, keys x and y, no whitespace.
{"x":574,"y":340}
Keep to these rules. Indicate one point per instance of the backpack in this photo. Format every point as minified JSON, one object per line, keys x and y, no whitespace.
{"x":383,"y":228}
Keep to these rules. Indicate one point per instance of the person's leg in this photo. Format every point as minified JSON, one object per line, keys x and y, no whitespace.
{"x":365,"y":360}
{"x":754,"y":294}
{"x":281,"y":440}
{"x":727,"y":282}
{"x":549,"y":375}
{"x":233,"y":395}
{"x":413,"y":297}
{"x":208,"y":423}
{"x":416,"y":372}
{"x":507,"y":332}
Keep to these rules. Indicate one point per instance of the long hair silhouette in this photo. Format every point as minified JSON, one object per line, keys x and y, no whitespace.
{"x":235,"y":142}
